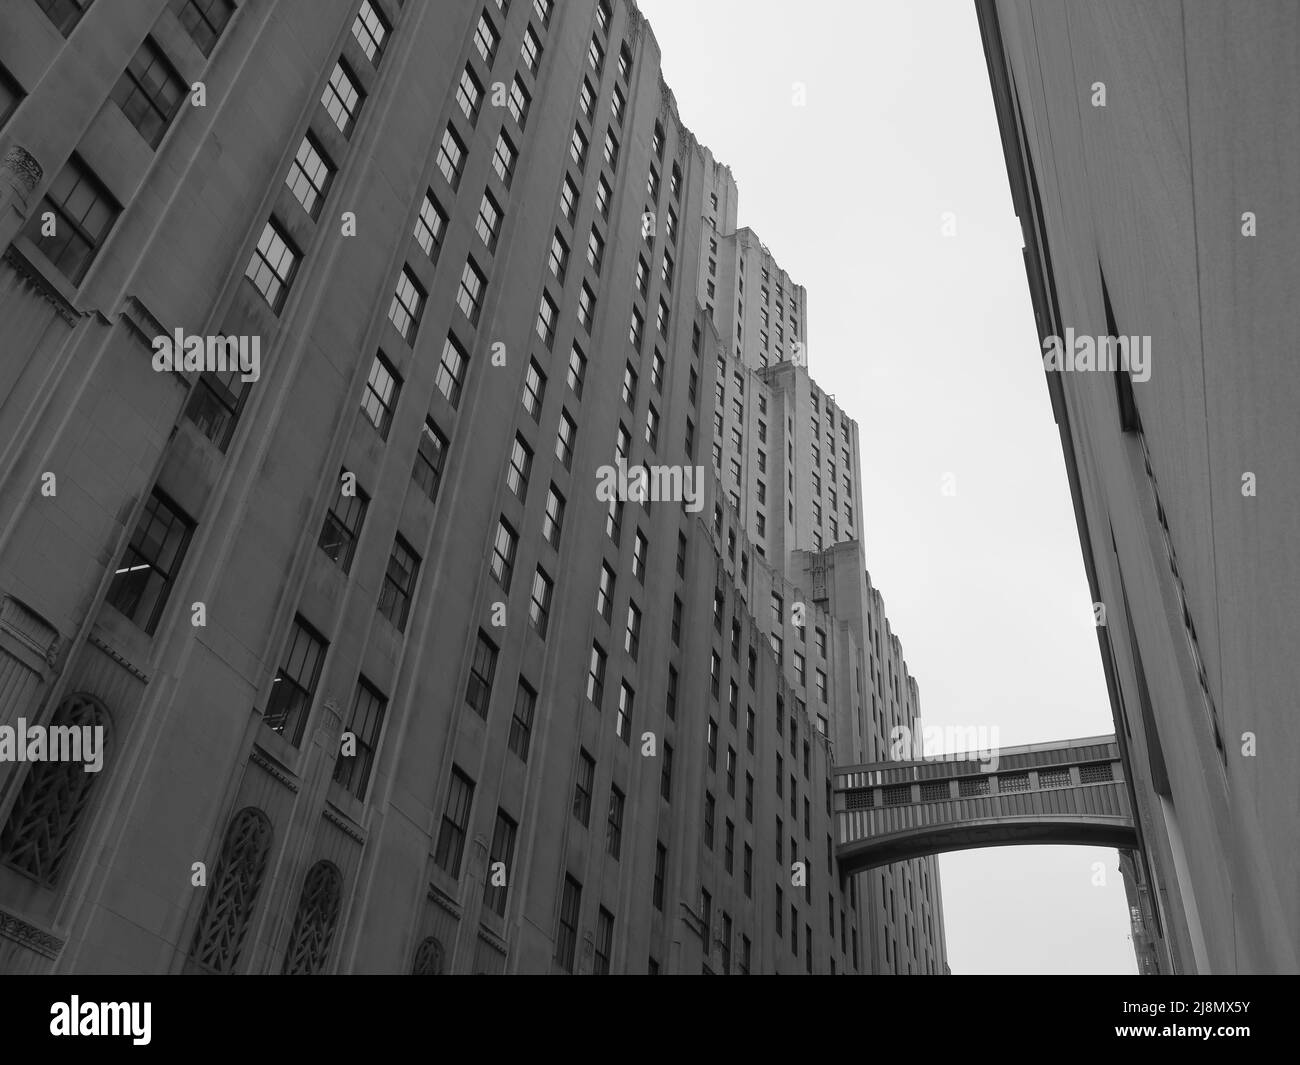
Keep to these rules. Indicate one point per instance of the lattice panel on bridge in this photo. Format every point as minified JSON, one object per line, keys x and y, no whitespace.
{"x":1054,"y":778}
{"x":897,"y":794}
{"x":1096,"y":773}
{"x":934,"y":790}
{"x":861,"y":800}
{"x":1013,"y":782}
{"x":969,"y":787}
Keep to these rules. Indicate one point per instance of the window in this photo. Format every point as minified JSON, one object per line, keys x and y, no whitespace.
{"x":227,"y":905}
{"x":429,"y":460}
{"x":399,"y":584}
{"x":595,"y":250}
{"x":639,"y":548}
{"x":709,"y":808}
{"x":569,"y":200}
{"x":531,"y":51}
{"x":558,"y":260}
{"x":605,"y":592}
{"x":144,"y":577}
{"x":661,"y":319}
{"x":675,"y":181}
{"x":729,"y":846}
{"x":586,"y":307}
{"x":455,"y":823}
{"x":632,"y":637}
{"x":611,"y":150}
{"x":596,"y":676}
{"x":150,"y":92}
{"x":204,"y":21}
{"x":577,"y":369}
{"x":596,"y":56}
{"x":273,"y":265}
{"x":482,"y":672}
{"x":677,"y":622}
{"x":604,"y":945}
{"x":486,"y":39}
{"x":539,"y":608}
{"x":488,"y":225}
{"x":624,"y":61}
{"x":666,"y":774}
{"x":731,"y":771}
{"x":451,"y":157}
{"x":503,"y":158}
{"x":587,"y":100}
{"x":408,"y":303}
{"x":681,"y":555}
{"x":661,"y":869}
{"x":582,"y":788}
{"x":430,"y":226}
{"x":553,"y":519}
{"x":578,"y":149}
{"x":711,"y":743}
{"x":749,"y":797}
{"x":503,"y":554}
{"x":521,"y":464}
{"x":310,"y":175}
{"x":618,"y":105}
{"x":566,"y":938}
{"x":469,"y":95}
{"x":671,"y":708}
{"x":84,"y":212}
{"x":469,"y":298}
{"x":502,"y":851}
{"x":521,"y":720}
{"x":534,"y":390}
{"x":380,"y":397}
{"x":614,"y":823}
{"x":603,"y":195}
{"x":370,"y":29}
{"x":342,"y":98}
{"x":294,"y":686}
{"x":652,"y":428}
{"x":623,"y":722}
{"x":352,"y":771}
{"x":338,"y":536}
{"x":564,"y":440}
{"x":547,"y":316}
{"x":451,"y":370}
{"x":518,"y":102}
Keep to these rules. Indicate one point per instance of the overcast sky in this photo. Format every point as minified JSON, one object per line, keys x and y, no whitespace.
{"x":928,"y":342}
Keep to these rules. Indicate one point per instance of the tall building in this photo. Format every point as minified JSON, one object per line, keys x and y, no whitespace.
{"x":384,"y":681}
{"x":1152,"y":153}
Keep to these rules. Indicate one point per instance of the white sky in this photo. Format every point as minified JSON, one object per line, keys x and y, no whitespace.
{"x":929,"y":343}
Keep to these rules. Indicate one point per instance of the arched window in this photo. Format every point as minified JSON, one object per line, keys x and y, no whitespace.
{"x":228,"y":907}
{"x":428,"y":958}
{"x":315,"y":921}
{"x":43,"y":822}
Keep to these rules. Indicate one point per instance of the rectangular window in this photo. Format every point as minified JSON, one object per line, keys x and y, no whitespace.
{"x":455,"y":823}
{"x":503,"y":159}
{"x":370,"y":29}
{"x":604,"y":942}
{"x":380,"y":398}
{"x":451,"y":157}
{"x":614,"y":823}
{"x":547,"y":317}
{"x":553,"y":519}
{"x":408,"y":304}
{"x":338,"y":536}
{"x":623,"y":723}
{"x":310,"y":175}
{"x":534,"y":390}
{"x":294,"y":686}
{"x":482,"y":672}
{"x":566,"y":937}
{"x":558,"y":260}
{"x":147,"y":571}
{"x":430,"y":458}
{"x":150,"y":92}
{"x":204,"y":20}
{"x":569,"y":200}
{"x":577,"y":369}
{"x":399,"y":584}
{"x":84,"y":213}
{"x":666,"y":774}
{"x":518,"y":102}
{"x":352,"y":771}
{"x":539,"y":607}
{"x":582,"y":788}
{"x":531,"y":51}
{"x":469,"y":96}
{"x":273,"y":265}
{"x":521,"y":721}
{"x":596,"y":676}
{"x":709,"y":807}
{"x":342,"y":98}
{"x":521,"y":464}
{"x":486,"y":39}
{"x":488,"y":225}
{"x":661,"y":871}
{"x":469,"y":297}
{"x":502,"y":565}
{"x":595,"y":250}
{"x":451,"y":370}
{"x":501,"y":854}
{"x":564,"y":440}
{"x":430,"y":226}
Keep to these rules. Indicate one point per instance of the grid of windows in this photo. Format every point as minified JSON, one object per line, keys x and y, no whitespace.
{"x":149,"y":92}
{"x":408,"y":303}
{"x":342,"y":98}
{"x":205,"y":20}
{"x":370,"y":29}
{"x":84,"y":212}
{"x":273,"y":265}
{"x":310,"y":175}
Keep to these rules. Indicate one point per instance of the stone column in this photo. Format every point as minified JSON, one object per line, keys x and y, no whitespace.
{"x":20,"y":173}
